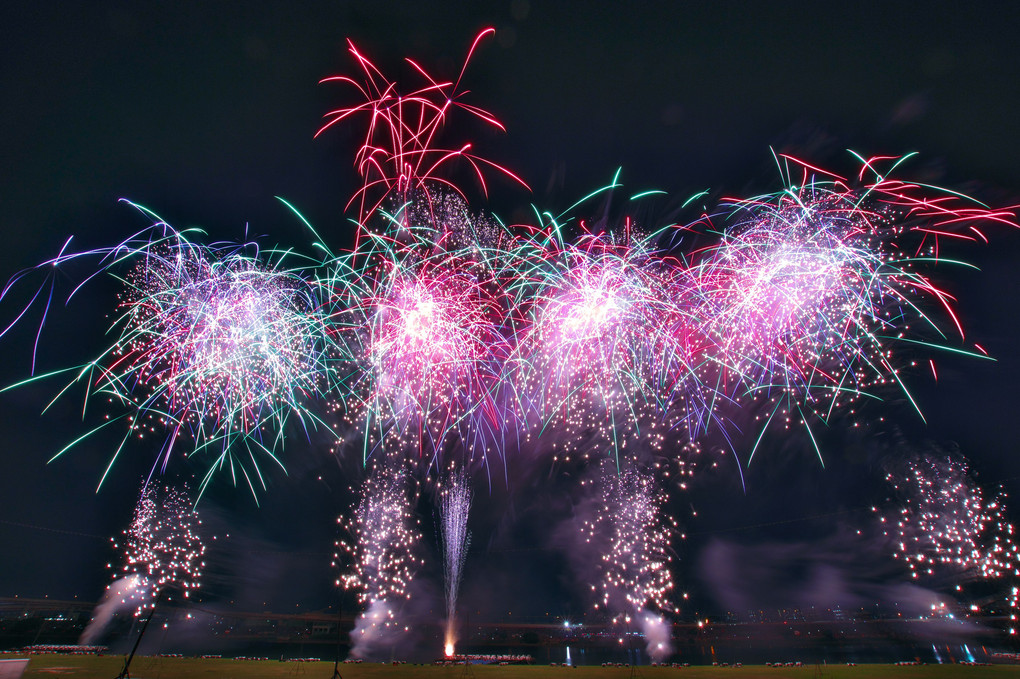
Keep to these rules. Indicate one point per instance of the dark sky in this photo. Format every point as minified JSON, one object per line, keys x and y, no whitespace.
{"x":205,"y":111}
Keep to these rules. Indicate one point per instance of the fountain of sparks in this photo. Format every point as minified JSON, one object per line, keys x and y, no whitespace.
{"x":454,"y":507}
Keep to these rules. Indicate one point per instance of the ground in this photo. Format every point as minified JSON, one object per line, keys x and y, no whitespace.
{"x":194,"y":668}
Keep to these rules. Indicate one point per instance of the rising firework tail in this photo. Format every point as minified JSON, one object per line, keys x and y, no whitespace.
{"x":633,"y":533}
{"x":380,"y":540}
{"x":163,"y":551}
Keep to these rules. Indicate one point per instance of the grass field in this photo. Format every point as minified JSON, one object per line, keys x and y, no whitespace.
{"x":79,"y":667}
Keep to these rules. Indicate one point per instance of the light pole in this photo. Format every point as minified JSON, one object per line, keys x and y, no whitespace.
{"x":124,"y":673}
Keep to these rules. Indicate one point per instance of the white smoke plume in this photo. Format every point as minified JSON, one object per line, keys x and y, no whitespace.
{"x":121,"y":595}
{"x":376,"y":633}
{"x":657,"y":631}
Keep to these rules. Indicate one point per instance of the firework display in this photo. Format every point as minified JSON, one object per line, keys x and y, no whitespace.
{"x":444,"y":340}
{"x":446,"y":334}
{"x":162,"y":547}
{"x":945,"y":527}
{"x":221,"y":345}
{"x":430,"y":339}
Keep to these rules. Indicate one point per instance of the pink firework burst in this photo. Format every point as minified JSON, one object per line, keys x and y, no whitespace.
{"x":401,"y":153}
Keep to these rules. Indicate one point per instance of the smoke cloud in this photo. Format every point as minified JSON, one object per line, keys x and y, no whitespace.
{"x":657,"y":636}
{"x":847,"y":570}
{"x":119,"y":596}
{"x":377,"y":632}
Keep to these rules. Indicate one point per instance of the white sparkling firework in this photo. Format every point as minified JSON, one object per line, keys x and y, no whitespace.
{"x":633,"y":534}
{"x":379,"y":551}
{"x":162,"y":547}
{"x":944,"y":526}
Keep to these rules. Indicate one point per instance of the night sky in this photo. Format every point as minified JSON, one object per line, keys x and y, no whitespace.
{"x":206,"y":111}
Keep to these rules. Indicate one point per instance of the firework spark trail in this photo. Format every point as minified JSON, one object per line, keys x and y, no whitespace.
{"x":945,"y":528}
{"x":223,"y":344}
{"x":454,"y":507}
{"x":603,"y":342}
{"x":589,"y":325}
{"x":379,"y":554}
{"x":631,"y":533}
